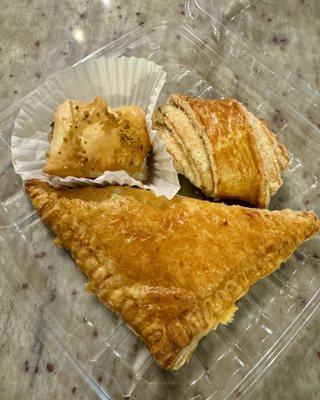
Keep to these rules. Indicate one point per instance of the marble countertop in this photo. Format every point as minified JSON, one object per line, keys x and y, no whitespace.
{"x":39,"y":37}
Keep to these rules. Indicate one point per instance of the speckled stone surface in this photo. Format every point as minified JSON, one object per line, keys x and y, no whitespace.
{"x":39,"y":37}
{"x":287,"y":30}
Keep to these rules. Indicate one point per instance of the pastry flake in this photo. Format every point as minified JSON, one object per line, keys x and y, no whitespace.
{"x":173,"y":270}
{"x":89,"y":139}
{"x":235,"y":154}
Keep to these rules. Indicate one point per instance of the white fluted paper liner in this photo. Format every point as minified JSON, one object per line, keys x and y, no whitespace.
{"x":121,"y":81}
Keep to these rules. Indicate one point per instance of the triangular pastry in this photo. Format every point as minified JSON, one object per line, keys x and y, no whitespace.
{"x":90,"y":138}
{"x":173,"y":270}
{"x":241,"y":156}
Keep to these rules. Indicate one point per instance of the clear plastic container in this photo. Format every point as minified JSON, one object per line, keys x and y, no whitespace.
{"x":290,"y":28}
{"x":211,"y":62}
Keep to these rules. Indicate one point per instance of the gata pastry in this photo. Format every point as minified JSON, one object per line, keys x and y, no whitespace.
{"x":172,"y":269}
{"x":89,"y":139}
{"x":222,"y":148}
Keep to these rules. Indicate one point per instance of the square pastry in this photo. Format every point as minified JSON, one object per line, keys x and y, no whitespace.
{"x":89,"y":138}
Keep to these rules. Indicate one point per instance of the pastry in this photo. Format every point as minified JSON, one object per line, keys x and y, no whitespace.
{"x":234,"y":153}
{"x":88,"y":139}
{"x":172,"y":269}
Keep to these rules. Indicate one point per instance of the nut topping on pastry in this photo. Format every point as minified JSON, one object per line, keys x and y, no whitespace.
{"x":89,"y":139}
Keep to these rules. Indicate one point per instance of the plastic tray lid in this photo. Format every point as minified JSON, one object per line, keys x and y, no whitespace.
{"x":287,"y":30}
{"x":225,"y":8}
{"x":277,"y":36}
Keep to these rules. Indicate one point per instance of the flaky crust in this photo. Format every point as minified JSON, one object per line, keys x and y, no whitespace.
{"x":176,"y":147}
{"x":172,"y":269}
{"x":183,"y":130}
{"x":245,"y":157}
{"x":89,"y":139}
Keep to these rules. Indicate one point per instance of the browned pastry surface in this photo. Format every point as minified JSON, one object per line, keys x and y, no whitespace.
{"x":172,"y":269}
{"x":88,"y":139}
{"x":242,"y":155}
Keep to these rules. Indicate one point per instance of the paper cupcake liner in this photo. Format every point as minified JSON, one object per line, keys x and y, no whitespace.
{"x":121,"y":81}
